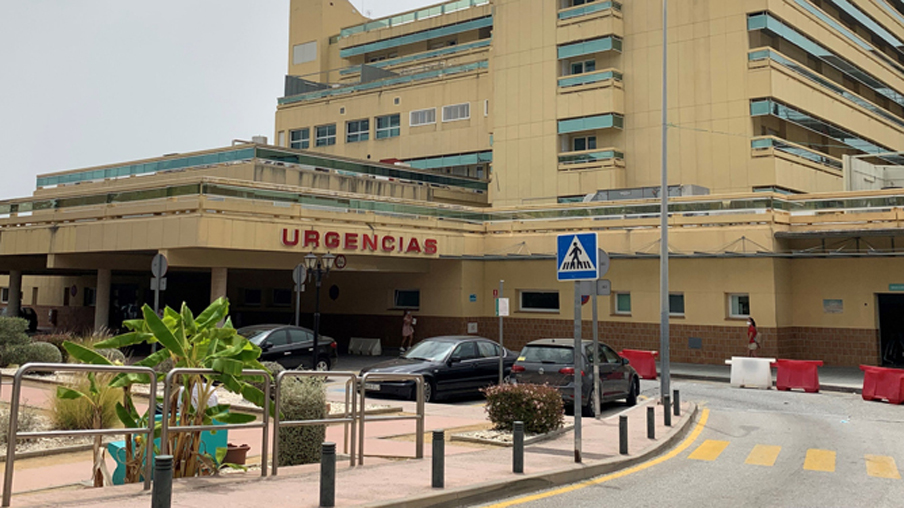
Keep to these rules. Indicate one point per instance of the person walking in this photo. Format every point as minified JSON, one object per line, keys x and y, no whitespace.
{"x":752,"y":343}
{"x":408,"y":323}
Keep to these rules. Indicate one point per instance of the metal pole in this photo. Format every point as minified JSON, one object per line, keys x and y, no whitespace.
{"x":578,"y":368}
{"x":664,"y":215}
{"x":11,"y":439}
{"x":518,"y":447}
{"x":502,"y":354}
{"x":596,"y":359}
{"x":297,"y":304}
{"x":156,"y":310}
{"x":439,"y":458}
{"x":651,"y":422}
{"x":623,"y":434}
{"x":162,"y":495}
{"x":667,"y":410}
{"x":328,"y":474}
{"x":676,"y":401}
{"x":318,"y":274}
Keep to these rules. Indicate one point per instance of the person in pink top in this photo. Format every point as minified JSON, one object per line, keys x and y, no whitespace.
{"x":408,"y":322}
{"x":752,"y":343}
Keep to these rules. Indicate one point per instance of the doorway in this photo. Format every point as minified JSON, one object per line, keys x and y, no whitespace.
{"x":891,"y":330}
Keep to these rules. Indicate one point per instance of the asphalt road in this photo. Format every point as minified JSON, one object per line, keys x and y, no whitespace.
{"x":761,"y":448}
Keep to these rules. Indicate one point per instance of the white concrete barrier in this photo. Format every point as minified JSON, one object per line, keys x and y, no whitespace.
{"x":747,"y":372}
{"x":362,"y":346}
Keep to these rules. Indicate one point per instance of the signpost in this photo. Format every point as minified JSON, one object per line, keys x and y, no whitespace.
{"x":502,"y":310}
{"x":603,"y":288}
{"x":158,"y":283}
{"x":298,"y":274}
{"x":577,"y":259}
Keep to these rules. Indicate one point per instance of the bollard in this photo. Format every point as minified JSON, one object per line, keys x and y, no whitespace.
{"x":651,"y":422}
{"x":667,"y":410}
{"x":518,"y":448}
{"x":162,"y":495}
{"x":328,"y":474}
{"x":676,"y":402}
{"x":439,"y":458}
{"x":623,"y":434}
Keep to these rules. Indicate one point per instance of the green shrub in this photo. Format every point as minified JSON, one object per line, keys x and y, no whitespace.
{"x":36,"y":352}
{"x":258,"y":382}
{"x":114,"y":355}
{"x":28,"y":422}
{"x":57,"y":340}
{"x":12,"y":332}
{"x":540,"y":407}
{"x":165,"y":366}
{"x":302,"y":399}
{"x":78,"y":414}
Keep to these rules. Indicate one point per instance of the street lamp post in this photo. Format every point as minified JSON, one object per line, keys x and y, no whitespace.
{"x":318,"y":268}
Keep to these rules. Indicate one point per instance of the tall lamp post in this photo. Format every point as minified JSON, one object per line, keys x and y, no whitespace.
{"x":664,"y":341}
{"x":318,"y":268}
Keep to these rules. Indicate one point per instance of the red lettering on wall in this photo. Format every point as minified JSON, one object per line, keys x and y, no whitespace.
{"x":401,"y":243}
{"x":370,"y":243}
{"x":311,"y":239}
{"x":331,"y":240}
{"x":351,"y":241}
{"x":413,"y":246}
{"x":430,"y":246}
{"x":388,"y":243}
{"x":285,"y":237}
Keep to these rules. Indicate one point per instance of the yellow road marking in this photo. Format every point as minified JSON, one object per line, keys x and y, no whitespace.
{"x":882,"y":466}
{"x":763,"y":455}
{"x":709,"y":450}
{"x":820,"y":460}
{"x":704,"y":416}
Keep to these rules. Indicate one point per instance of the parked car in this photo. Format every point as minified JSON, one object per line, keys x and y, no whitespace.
{"x":551,"y":361}
{"x":26,"y":313}
{"x":291,"y":346}
{"x":451,"y":365}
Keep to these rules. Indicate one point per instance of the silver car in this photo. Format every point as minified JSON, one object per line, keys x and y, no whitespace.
{"x":551,"y":361}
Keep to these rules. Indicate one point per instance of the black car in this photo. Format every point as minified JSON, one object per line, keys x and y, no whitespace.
{"x":455,"y":364}
{"x":551,"y":361}
{"x":291,"y":346}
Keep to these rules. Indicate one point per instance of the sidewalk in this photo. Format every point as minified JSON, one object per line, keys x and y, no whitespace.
{"x":473,"y":474}
{"x":833,"y":379}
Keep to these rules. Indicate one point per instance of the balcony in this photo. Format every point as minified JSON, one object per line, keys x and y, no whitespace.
{"x":574,"y":82}
{"x":589,"y":47}
{"x":585,"y":11}
{"x":589,"y":123}
{"x":591,"y":159}
{"x":447,"y":52}
{"x":765,"y":146}
{"x":410,"y":17}
{"x":413,"y":38}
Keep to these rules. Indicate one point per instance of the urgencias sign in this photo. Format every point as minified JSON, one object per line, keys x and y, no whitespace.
{"x":312,"y":239}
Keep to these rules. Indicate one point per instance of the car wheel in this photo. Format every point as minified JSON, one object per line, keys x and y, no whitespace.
{"x":631,"y":399}
{"x":323,"y":364}
{"x":429,"y":392}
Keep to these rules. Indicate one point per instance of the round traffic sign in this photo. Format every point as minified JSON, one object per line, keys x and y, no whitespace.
{"x":602,"y":261}
{"x":159,"y":265}
{"x":340,"y":262}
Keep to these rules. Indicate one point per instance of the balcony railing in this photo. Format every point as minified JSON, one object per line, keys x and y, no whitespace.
{"x":775,"y":143}
{"x":583,"y":10}
{"x":426,"y":35}
{"x":461,"y":48}
{"x":589,"y":77}
{"x":410,"y":17}
{"x":608,"y":43}
{"x":590,"y":156}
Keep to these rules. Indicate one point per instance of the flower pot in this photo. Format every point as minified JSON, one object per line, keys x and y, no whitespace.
{"x":236,"y":454}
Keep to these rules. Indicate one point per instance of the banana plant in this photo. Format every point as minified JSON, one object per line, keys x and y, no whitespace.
{"x":99,"y":473}
{"x":190,"y":342}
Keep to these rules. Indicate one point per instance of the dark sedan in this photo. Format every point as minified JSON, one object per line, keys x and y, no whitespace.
{"x":451,"y":365}
{"x":291,"y":346}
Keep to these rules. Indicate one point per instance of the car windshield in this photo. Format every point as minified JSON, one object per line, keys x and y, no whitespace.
{"x":254,"y":335}
{"x":430,"y":350}
{"x":547,"y":354}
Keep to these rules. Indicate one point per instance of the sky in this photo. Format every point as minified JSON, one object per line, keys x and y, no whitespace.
{"x":92,"y":82}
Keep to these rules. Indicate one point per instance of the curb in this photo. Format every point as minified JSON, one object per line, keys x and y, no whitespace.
{"x":719,"y":379}
{"x":524,"y":484}
{"x":527,"y":441}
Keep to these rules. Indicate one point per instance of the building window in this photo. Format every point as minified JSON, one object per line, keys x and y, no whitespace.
{"x":676,"y":304}
{"x":388,"y":126}
{"x":359,"y":130}
{"x":422,"y":117}
{"x":282,"y":297}
{"x":304,"y":53}
{"x":300,"y":139}
{"x":739,"y":305}
{"x":326,"y":135}
{"x":4,"y":295}
{"x":90,"y":297}
{"x":406,"y":299}
{"x":582,"y":67}
{"x":584,"y":143}
{"x":457,"y":112}
{"x":622,"y":303}
{"x":251,"y":297}
{"x":539,"y":301}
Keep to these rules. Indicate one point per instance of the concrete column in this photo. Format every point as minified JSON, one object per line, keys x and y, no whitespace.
{"x":219,"y":278}
{"x":102,"y":299}
{"x":15,"y":293}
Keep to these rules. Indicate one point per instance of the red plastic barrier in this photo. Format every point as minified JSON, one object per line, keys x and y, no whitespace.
{"x":797,"y":374}
{"x":883,"y":383}
{"x":644,"y":362}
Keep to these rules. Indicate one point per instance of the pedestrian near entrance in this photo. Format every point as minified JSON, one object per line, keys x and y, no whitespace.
{"x":752,"y":343}
{"x":408,"y":323}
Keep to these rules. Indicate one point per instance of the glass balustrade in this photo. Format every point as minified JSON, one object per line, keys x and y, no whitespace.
{"x":410,"y":17}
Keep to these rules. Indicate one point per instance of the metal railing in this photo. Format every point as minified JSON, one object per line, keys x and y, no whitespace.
{"x":419,"y":416}
{"x":348,"y":417}
{"x":165,"y":428}
{"x":14,"y":435}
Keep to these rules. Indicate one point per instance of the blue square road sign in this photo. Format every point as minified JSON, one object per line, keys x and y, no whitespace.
{"x":576,"y":257}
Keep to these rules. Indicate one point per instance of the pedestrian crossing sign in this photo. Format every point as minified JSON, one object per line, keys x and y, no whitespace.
{"x":577,"y":257}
